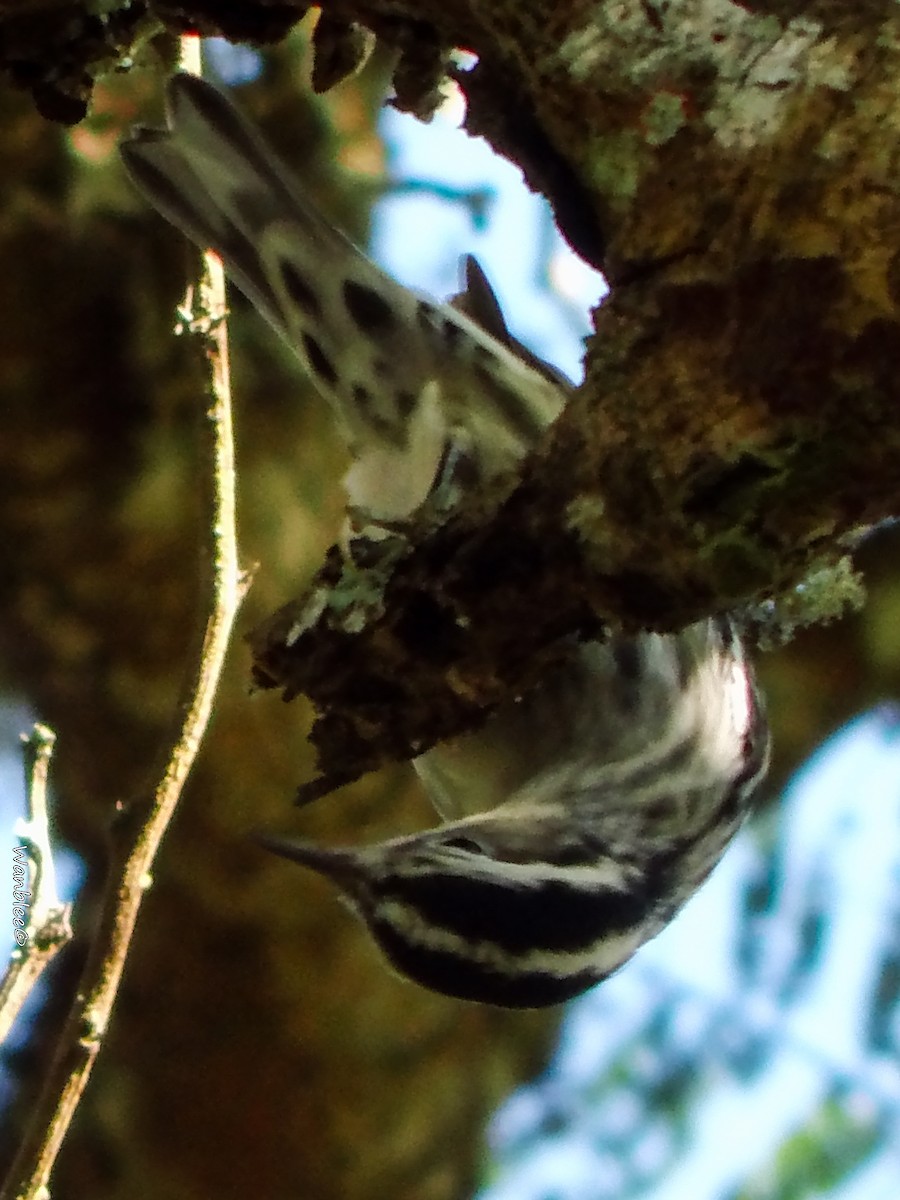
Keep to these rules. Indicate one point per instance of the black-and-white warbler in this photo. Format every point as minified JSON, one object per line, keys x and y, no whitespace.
{"x":585,"y":813}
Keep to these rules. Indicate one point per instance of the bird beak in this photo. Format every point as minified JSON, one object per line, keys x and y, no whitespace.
{"x":340,"y":866}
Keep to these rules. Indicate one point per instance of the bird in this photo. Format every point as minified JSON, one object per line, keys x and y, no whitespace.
{"x":585,"y":812}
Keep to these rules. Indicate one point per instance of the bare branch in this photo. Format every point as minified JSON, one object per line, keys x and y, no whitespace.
{"x":40,"y":921}
{"x":140,"y":826}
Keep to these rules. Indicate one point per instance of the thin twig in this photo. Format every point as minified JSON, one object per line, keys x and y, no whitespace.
{"x":139,"y":828}
{"x":40,"y":921}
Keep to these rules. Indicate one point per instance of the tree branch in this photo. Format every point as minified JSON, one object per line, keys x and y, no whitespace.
{"x":40,"y":920}
{"x":140,"y":826}
{"x":739,"y":420}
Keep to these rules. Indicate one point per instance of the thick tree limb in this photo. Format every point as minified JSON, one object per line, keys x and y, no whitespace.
{"x":739,"y":415}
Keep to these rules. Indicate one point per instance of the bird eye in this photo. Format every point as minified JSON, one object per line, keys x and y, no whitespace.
{"x":464,"y":843}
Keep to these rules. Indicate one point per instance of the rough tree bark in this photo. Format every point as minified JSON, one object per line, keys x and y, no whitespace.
{"x":738,"y":420}
{"x":733,"y":168}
